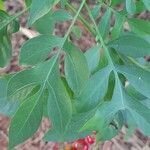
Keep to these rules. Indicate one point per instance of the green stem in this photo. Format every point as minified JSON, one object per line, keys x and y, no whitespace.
{"x":62,"y":45}
{"x":136,"y":63}
{"x":102,"y":42}
{"x":86,"y":24}
{"x":100,"y":36}
{"x":74,"y":20}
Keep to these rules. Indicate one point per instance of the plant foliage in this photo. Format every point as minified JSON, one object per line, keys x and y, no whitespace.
{"x":100,"y":90}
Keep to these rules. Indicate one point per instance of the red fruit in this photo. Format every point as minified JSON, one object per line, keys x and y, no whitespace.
{"x":80,"y":144}
{"x":55,"y":147}
{"x":90,"y":140}
{"x":74,"y":146}
{"x":81,"y":141}
{"x":85,"y":147}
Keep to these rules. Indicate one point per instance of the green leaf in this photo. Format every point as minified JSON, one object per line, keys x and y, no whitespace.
{"x":63,"y":3}
{"x":104,"y":24}
{"x":42,"y":76}
{"x":1,"y":5}
{"x":61,"y":15}
{"x":6,"y":29}
{"x":6,"y":19}
{"x":137,"y":77}
{"x":140,"y":7}
{"x":139,"y":26}
{"x":93,"y":57}
{"x":97,"y":87}
{"x":46,"y":24}
{"x":14,"y":26}
{"x":130,"y":7}
{"x":133,"y":92}
{"x":39,"y":9}
{"x":5,"y":43}
{"x":6,"y":107}
{"x":28,"y":2}
{"x":37,"y":49}
{"x":72,"y":133}
{"x":120,"y":101}
{"x":112,"y":129}
{"x":26,"y":120}
{"x":76,"y":74}
{"x":34,"y":105}
{"x":96,"y":11}
{"x":147,"y":4}
{"x":69,"y":91}
{"x":116,"y":2}
{"x":104,"y":131}
{"x":118,"y":26}
{"x":131,"y":45}
{"x":77,"y":32}
{"x":5,"y":49}
{"x":27,"y":78}
{"x":131,"y":125}
{"x":59,"y":104}
{"x":142,"y":125}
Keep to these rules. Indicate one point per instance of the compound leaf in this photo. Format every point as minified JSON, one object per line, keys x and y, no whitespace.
{"x":139,"y":26}
{"x":59,"y":103}
{"x":6,"y":107}
{"x":120,"y":101}
{"x":104,"y":24}
{"x":29,"y":77}
{"x":26,"y":120}
{"x":137,"y":77}
{"x":130,"y":6}
{"x":76,"y":68}
{"x":38,"y":9}
{"x":97,"y":87}
{"x":131,"y":45}
{"x":92,"y":56}
{"x":147,"y":4}
{"x":37,"y":49}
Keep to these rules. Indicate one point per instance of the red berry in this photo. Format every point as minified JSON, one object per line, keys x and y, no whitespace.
{"x":55,"y":147}
{"x":90,"y":140}
{"x":74,"y":146}
{"x":80,"y":144}
{"x":82,"y":141}
{"x":85,"y":147}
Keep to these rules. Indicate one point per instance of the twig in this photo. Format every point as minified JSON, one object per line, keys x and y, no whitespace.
{"x":28,"y":33}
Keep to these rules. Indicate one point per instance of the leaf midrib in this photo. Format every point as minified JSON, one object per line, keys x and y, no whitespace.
{"x":57,"y":105}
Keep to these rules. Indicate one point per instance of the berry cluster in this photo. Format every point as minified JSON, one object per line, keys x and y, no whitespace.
{"x":83,"y":144}
{"x":80,"y":144}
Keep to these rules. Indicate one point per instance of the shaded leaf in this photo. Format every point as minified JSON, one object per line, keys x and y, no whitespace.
{"x":37,"y":49}
{"x":59,"y":103}
{"x":93,"y":57}
{"x":138,"y":77}
{"x":131,"y":45}
{"x":104,"y":24}
{"x":120,"y":101}
{"x":76,"y":68}
{"x":27,"y":118}
{"x":72,"y":133}
{"x":97,"y":87}
{"x":39,"y":9}
{"x":130,"y":6}
{"x":139,"y":26}
{"x":147,"y":4}
{"x":6,"y":107}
